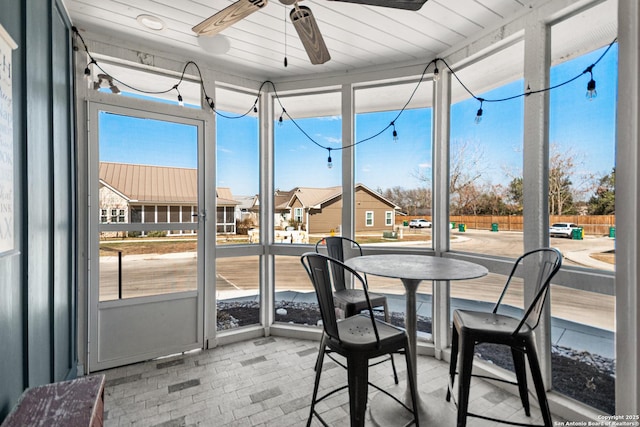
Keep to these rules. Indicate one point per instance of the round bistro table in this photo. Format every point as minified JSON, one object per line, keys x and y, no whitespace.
{"x":411,"y":270}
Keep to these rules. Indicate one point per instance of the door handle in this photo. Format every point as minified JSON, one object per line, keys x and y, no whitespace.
{"x":202,"y":215}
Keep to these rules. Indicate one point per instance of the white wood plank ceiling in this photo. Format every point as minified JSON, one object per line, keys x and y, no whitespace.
{"x":357,"y":36}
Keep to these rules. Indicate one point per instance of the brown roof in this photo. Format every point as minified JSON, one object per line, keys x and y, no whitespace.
{"x":310,"y":197}
{"x":157,"y":184}
{"x":315,"y":197}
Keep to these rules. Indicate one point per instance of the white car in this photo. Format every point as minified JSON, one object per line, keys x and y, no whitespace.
{"x":562,"y":229}
{"x":419,"y":223}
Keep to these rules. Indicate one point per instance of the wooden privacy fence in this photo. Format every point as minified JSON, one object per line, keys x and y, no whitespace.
{"x":592,"y":224}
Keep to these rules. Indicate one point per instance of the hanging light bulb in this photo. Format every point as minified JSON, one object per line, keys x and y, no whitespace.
{"x":210,"y":102}
{"x":329,"y":161}
{"x":280,"y":119}
{"x":479,"y":113}
{"x":436,"y":72}
{"x":180,"y":100}
{"x":255,"y":108}
{"x":591,"y":87}
{"x":395,"y":132}
{"x":87,"y":70}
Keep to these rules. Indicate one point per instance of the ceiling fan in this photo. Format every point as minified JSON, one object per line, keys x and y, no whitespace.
{"x":301,"y":18}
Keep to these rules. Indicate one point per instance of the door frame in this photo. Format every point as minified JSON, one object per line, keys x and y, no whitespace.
{"x":206,"y":208}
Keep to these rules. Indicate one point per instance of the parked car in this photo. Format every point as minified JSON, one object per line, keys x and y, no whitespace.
{"x":562,"y":229}
{"x":419,"y":223}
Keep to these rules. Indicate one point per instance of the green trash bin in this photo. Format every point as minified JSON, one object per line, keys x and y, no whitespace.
{"x":453,"y":225}
{"x":494,"y":226}
{"x":576,"y":233}
{"x":462,"y":227}
{"x":612,"y":232}
{"x":405,"y":223}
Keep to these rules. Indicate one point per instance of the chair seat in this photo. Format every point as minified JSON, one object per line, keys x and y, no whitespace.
{"x":356,"y":333}
{"x":492,"y":324}
{"x":357,"y":299}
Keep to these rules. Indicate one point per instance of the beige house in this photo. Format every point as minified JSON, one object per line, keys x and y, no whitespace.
{"x":131,"y":193}
{"x":319,"y":210}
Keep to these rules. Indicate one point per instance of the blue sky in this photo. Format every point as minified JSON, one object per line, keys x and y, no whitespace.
{"x":577,"y":124}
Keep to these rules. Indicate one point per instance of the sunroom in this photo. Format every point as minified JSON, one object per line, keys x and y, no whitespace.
{"x":490,"y":120}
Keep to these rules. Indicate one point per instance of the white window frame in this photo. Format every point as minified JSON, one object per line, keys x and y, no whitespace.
{"x":369,"y":222}
{"x":388,"y":218}
{"x":298,"y":214}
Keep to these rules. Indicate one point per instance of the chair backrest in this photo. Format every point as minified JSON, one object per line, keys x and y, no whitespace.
{"x":544,"y":263}
{"x":336,"y":249}
{"x":319,"y":268}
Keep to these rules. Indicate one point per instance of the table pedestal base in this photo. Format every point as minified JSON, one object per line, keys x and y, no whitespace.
{"x":435,"y":412}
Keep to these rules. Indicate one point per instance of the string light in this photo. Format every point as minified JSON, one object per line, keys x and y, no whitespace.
{"x":210,"y":102}
{"x":180,"y":100}
{"x":479,"y":113}
{"x":591,"y":93}
{"x":280,"y":119}
{"x":395,"y":132}
{"x":591,"y":85}
{"x":87,"y":70}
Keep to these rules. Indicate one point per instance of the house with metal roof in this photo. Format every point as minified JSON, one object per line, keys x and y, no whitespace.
{"x":131,"y":193}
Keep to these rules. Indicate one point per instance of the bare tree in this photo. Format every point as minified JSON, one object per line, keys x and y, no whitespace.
{"x":566,"y":184}
{"x":467,"y":168}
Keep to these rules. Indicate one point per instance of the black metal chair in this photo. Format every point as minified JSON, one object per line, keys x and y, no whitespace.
{"x":358,"y":339}
{"x":352,"y":300}
{"x":474,"y":327}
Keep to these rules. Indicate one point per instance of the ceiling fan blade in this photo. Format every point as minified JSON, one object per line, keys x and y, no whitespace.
{"x":396,"y":4}
{"x":228,"y":16}
{"x":309,"y":33}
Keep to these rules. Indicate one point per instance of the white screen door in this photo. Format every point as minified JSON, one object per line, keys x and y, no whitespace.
{"x":147,"y":208}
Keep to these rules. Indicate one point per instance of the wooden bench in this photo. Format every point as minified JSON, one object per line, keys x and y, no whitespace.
{"x":76,"y":403}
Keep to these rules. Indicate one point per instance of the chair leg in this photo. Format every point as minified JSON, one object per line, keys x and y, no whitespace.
{"x":358,"y":378}
{"x":317,"y":381}
{"x":532,"y":356}
{"x":467,"y":346}
{"x":393,"y":363}
{"x":320,"y":355}
{"x":521,"y":376}
{"x":453,"y":363}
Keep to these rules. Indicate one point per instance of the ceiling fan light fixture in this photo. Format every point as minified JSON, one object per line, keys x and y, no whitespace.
{"x":151,"y":22}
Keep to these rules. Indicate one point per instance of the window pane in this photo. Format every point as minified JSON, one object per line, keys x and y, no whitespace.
{"x":135,"y":264}
{"x":141,"y":163}
{"x":308,"y":194}
{"x":237,"y":292}
{"x":393,"y":173}
{"x":295,"y":298}
{"x":237,"y":169}
{"x":582,"y":159}
{"x":581,"y":202}
{"x":486,"y":156}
